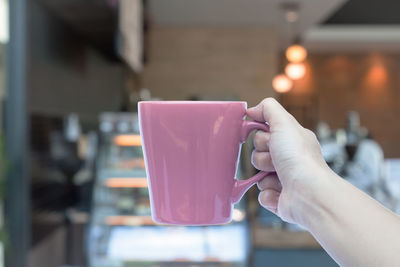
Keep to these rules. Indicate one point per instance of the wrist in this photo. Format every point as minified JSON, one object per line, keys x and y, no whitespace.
{"x":313,"y":196}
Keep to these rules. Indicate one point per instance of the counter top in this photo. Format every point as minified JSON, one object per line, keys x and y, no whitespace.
{"x":275,"y":238}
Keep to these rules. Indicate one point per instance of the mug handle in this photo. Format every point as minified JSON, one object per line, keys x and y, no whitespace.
{"x":241,"y":186}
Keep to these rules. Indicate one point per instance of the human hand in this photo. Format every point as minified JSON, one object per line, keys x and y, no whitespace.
{"x":352,"y":227}
{"x":293,"y":157}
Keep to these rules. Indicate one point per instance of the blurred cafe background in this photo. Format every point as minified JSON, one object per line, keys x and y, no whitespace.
{"x":73,"y":186}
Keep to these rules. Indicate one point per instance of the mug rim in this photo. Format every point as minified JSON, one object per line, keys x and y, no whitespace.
{"x":190,"y":102}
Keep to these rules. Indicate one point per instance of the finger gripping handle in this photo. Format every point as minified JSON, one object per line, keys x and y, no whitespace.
{"x":241,"y":186}
{"x":249,"y":126}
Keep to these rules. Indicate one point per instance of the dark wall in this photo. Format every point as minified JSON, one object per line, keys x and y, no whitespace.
{"x":64,"y":73}
{"x":335,"y":84}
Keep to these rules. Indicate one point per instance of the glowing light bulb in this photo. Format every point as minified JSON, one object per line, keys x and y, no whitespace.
{"x":295,"y":71}
{"x":282,"y":83}
{"x":296,"y":53}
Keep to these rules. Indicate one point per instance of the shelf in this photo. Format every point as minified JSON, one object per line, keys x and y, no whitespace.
{"x":94,"y":21}
{"x":268,"y":237}
{"x":129,"y":220}
{"x":127,"y":140}
{"x":129,"y":182}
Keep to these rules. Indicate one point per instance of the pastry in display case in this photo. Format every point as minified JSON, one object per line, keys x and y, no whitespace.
{"x":122,"y":232}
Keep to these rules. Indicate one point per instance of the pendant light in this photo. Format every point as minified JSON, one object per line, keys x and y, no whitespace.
{"x":282,"y":84}
{"x":296,"y":53}
{"x":295,"y":71}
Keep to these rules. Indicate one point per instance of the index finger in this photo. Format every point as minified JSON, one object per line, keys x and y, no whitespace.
{"x":268,"y":110}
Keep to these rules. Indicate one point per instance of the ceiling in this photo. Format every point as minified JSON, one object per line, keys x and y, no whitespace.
{"x":323,"y":24}
{"x":241,"y":13}
{"x":367,"y":12}
{"x":358,"y":25}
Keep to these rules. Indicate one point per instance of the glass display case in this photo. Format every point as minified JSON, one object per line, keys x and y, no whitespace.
{"x":121,"y":231}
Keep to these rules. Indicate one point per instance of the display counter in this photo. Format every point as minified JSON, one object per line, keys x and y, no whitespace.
{"x":121,"y":231}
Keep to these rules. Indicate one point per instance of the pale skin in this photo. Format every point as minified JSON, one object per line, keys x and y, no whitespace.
{"x":352,"y":227}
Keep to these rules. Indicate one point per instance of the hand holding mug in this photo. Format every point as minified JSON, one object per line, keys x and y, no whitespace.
{"x":293,"y":157}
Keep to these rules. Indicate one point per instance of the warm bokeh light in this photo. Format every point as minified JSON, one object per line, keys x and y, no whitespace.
{"x":296,"y":53}
{"x":123,"y":182}
{"x":129,"y":220}
{"x":295,"y":71}
{"x":377,"y":75}
{"x":282,"y":83}
{"x":377,"y":82}
{"x":127,"y":140}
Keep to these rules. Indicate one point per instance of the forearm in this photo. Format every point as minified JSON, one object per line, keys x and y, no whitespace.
{"x":352,"y":227}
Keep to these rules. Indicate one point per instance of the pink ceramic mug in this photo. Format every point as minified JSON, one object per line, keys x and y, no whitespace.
{"x":191,"y":151}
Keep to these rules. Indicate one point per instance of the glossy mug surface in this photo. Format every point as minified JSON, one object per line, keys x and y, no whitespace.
{"x":191,"y":151}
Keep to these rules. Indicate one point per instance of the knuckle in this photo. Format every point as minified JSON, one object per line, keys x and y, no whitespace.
{"x":292,"y":117}
{"x":310,"y":133}
{"x":269,"y":101}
